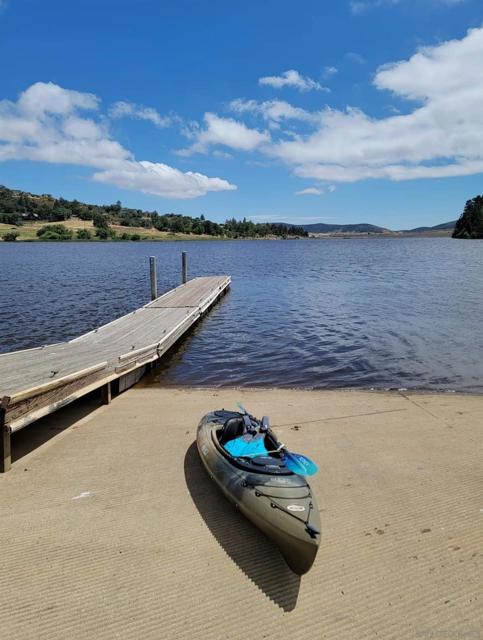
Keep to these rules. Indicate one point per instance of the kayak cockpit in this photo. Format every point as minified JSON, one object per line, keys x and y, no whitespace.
{"x":250,"y":445}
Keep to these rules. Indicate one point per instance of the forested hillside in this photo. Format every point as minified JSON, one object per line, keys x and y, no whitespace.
{"x":19,"y":207}
{"x":470,"y":223}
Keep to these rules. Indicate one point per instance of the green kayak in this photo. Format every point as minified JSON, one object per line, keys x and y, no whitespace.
{"x":243,"y":456}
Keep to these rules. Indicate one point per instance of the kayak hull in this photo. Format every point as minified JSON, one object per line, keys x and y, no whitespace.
{"x":281,"y":504}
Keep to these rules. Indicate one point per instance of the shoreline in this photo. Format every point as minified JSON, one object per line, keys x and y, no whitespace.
{"x":191,"y":238}
{"x":147,"y":381}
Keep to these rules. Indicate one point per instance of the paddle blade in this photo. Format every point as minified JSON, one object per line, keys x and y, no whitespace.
{"x":299,"y":464}
{"x":241,"y":407}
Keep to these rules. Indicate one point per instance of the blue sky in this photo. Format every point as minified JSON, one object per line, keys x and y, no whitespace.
{"x":362,"y":111}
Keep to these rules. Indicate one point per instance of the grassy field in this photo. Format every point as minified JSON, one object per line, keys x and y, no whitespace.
{"x":28,"y":231}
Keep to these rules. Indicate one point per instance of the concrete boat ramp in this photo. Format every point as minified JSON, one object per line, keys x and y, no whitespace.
{"x":98,"y":544}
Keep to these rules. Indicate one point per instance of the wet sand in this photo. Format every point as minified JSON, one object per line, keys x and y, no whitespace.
{"x":111,"y":528}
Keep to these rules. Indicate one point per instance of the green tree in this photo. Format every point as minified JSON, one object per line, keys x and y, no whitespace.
{"x":11,"y":218}
{"x":105,"y":234}
{"x":470,"y":223}
{"x":75,"y":208}
{"x":59,"y":213}
{"x":84,"y":234}
{"x":100,"y":221}
{"x":10,"y":236}
{"x":54,"y":232}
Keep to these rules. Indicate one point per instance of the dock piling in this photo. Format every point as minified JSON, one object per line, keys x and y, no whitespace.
{"x":5,"y":449}
{"x":184,"y":267}
{"x":106,"y":393}
{"x":154,"y":284}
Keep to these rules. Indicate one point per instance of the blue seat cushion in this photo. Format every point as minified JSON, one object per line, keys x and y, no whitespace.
{"x":247,"y":446}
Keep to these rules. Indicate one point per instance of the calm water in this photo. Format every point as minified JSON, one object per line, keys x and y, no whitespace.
{"x":319,"y":313}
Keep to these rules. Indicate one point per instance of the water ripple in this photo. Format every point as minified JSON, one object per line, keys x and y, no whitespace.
{"x":378,"y":313}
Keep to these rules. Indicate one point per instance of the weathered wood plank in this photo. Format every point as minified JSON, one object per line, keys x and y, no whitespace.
{"x":56,"y":403}
{"x":52,"y":384}
{"x":189,"y":295}
{"x":38,"y":400}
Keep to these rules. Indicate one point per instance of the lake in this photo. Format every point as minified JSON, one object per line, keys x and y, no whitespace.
{"x":371,"y":313}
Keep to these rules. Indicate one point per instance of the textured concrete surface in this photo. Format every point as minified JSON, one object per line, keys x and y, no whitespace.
{"x":110,"y":527}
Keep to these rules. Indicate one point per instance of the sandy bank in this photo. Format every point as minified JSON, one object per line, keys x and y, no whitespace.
{"x":111,"y":528}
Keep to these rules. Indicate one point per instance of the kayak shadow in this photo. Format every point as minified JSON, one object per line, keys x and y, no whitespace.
{"x":249,"y":549}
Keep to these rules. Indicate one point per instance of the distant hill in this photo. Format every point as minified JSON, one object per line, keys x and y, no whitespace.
{"x":438,"y":227}
{"x":364,"y":227}
{"x":320,"y":227}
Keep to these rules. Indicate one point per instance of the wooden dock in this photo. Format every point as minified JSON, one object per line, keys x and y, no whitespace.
{"x":36,"y":382}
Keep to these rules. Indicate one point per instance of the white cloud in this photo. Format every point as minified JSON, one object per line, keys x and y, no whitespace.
{"x":226,"y":132}
{"x":309,"y":191}
{"x":331,"y":188}
{"x":392,"y":109}
{"x":360,"y":6}
{"x":44,"y":125}
{"x":330,"y":71}
{"x":217,"y":153}
{"x":442,"y":136}
{"x":355,"y":57}
{"x":292,"y":78}
{"x":44,"y":98}
{"x":123,"y":109}
{"x":273,"y":111}
{"x":162,"y":180}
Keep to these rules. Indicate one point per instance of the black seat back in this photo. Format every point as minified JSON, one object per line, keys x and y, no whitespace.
{"x":233,"y":428}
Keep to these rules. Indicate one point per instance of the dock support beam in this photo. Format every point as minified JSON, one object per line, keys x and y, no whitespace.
{"x":5,"y":449}
{"x":106,"y":393}
{"x":154,"y":284}
{"x":184,"y":267}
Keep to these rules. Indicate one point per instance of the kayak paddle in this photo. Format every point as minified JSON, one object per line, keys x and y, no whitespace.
{"x":295,"y":462}
{"x":299,"y":464}
{"x":242,"y":408}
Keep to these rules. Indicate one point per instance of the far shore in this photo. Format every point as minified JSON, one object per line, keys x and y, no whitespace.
{"x":28,"y":233}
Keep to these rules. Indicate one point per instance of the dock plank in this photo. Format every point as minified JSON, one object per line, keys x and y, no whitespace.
{"x":191,"y":294}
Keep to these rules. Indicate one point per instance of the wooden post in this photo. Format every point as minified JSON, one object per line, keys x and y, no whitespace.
{"x":184,"y":266}
{"x":154,"y":284}
{"x":5,"y":449}
{"x":106,"y":393}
